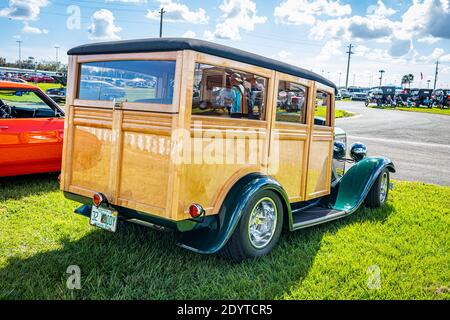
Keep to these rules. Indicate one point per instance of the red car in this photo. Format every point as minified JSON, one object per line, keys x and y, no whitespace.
{"x":41,"y":79}
{"x":31,"y":130}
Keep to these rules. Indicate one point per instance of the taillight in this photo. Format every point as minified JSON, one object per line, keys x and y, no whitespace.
{"x":98,"y":199}
{"x":195,"y":210}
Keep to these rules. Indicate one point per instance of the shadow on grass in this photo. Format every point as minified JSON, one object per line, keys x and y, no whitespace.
{"x":19,"y":187}
{"x":140,"y":263}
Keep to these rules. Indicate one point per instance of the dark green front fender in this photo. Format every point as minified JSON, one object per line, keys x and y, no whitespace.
{"x":213,"y":238}
{"x":357,"y":182}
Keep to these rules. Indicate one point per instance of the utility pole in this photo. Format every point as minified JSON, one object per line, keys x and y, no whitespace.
{"x":428,"y":84}
{"x":161,"y":22}
{"x":350,"y":52}
{"x":381,"y":76}
{"x":436,"y":74}
{"x":20,"y":52}
{"x":56,"y":48}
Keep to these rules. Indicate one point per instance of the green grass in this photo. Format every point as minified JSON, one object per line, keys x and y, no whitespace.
{"x":45,"y":86}
{"x":418,"y":109}
{"x":408,"y":240}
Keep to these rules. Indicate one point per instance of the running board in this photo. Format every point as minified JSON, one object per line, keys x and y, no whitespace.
{"x":313,"y":216}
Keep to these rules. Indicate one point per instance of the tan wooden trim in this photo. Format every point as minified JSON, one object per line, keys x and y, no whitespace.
{"x":222,"y":62}
{"x":226,"y":187}
{"x":94,"y":104}
{"x":310,"y":122}
{"x":322,"y":87}
{"x":66,"y":164}
{"x":116,"y":155}
{"x":179,"y":124}
{"x":128,"y":56}
{"x":294,"y":79}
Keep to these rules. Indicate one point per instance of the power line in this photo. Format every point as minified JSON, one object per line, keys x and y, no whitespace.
{"x":350,"y":52}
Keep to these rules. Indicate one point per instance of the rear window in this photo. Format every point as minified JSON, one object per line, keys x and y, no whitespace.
{"x":139,"y":81}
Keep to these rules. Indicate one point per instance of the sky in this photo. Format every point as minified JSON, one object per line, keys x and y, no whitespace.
{"x":400,"y":37}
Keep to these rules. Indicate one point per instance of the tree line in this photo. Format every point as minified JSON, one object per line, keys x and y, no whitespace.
{"x":32,"y":63}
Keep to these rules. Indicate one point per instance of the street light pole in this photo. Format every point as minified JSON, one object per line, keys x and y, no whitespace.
{"x":381,"y":76}
{"x":20,"y":52}
{"x":436,"y":74}
{"x":56,"y":48}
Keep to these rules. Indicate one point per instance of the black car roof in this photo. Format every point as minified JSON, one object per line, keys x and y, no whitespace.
{"x":175,"y":44}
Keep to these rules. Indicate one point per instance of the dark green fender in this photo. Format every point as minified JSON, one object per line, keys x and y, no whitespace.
{"x":220,"y":227}
{"x":346,"y":196}
{"x":357,"y":182}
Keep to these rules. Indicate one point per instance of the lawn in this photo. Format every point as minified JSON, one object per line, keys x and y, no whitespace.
{"x":407,"y":241}
{"x":419,"y":109}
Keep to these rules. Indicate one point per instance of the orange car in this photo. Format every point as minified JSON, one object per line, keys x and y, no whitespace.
{"x":31,"y":130}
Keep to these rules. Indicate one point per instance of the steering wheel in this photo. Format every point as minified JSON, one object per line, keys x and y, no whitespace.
{"x":5,"y":111}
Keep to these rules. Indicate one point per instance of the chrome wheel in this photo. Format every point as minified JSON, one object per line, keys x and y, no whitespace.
{"x":262,"y":223}
{"x":384,"y":185}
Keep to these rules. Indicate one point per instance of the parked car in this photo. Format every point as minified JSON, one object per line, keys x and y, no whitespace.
{"x":17,"y":80}
{"x":131,"y":168}
{"x":422,"y":97}
{"x":57,"y":94}
{"x":31,"y":130}
{"x":41,"y":79}
{"x":345,"y":94}
{"x":441,"y":98}
{"x":357,"y":94}
{"x":381,"y":96}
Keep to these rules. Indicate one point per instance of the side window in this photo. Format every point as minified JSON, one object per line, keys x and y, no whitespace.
{"x":141,"y":81}
{"x":323,"y":109}
{"x":23,"y":104}
{"x":291,"y":102}
{"x":225,"y":92}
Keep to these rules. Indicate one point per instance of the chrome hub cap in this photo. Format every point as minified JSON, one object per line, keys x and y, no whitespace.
{"x":263,"y":222}
{"x":384,"y":187}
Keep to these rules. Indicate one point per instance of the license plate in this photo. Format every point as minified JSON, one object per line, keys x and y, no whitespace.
{"x":104,"y":218}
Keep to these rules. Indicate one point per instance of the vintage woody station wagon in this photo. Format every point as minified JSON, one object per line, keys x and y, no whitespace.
{"x":223,"y":146}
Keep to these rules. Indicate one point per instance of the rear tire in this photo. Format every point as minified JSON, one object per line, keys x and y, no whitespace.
{"x":379,"y":192}
{"x":245,"y":242}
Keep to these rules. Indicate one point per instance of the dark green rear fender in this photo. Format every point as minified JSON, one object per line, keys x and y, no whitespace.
{"x":357,"y":182}
{"x":212,"y":239}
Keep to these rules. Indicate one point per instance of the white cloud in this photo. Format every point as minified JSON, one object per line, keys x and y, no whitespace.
{"x":103,"y":26}
{"x":237,"y":15}
{"x":400,"y":47}
{"x":189,"y":34}
{"x":23,"y":9}
{"x":428,"y":18}
{"x":428,"y":40}
{"x":178,"y":12}
{"x":33,"y":30}
{"x":300,"y":12}
{"x":330,"y":49}
{"x":380,"y":10}
{"x":283,"y":54}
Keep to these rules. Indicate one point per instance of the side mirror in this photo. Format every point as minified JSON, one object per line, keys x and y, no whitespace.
{"x":339,"y":150}
{"x":358,"y":151}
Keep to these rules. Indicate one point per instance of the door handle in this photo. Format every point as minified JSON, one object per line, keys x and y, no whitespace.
{"x":4,"y":127}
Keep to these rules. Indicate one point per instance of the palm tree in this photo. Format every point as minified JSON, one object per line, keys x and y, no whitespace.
{"x":408,"y":79}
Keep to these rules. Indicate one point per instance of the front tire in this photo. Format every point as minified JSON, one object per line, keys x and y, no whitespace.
{"x":379,"y":192}
{"x":259,"y":228}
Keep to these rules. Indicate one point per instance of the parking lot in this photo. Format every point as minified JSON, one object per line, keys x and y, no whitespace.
{"x":418,"y":143}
